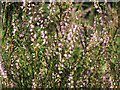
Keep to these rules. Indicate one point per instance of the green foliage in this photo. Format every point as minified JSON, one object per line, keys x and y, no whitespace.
{"x":73,"y":44}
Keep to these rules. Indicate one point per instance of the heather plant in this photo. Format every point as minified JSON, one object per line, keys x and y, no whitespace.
{"x":60,"y":45}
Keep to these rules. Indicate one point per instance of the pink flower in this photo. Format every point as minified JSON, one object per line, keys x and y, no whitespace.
{"x":17,"y":60}
{"x":38,"y":23}
{"x":23,"y":32}
{"x":17,"y":65}
{"x":72,"y":81}
{"x":32,"y":26}
{"x":48,"y":17}
{"x":35,"y":35}
{"x":65,"y":55}
{"x":62,"y":26}
{"x":95,"y":5}
{"x":101,"y":39}
{"x":24,"y":46}
{"x":60,"y":49}
{"x":21,"y":35}
{"x":38,"y":30}
{"x":68,"y":84}
{"x":21,"y":7}
{"x":23,"y":2}
{"x":46,"y":37}
{"x":36,"y":19}
{"x":31,"y":30}
{"x":44,"y":40}
{"x":57,"y":53}
{"x":42,"y":15}
{"x":41,"y":26}
{"x":51,"y":20}
{"x":30,"y":21}
{"x":62,"y":65}
{"x":60,"y":23}
{"x":74,"y":8}
{"x":63,"y":60}
{"x":69,"y":38}
{"x":59,"y":44}
{"x":104,"y":78}
{"x":99,"y":11}
{"x":11,"y":85}
{"x":32,"y":39}
{"x":23,"y":40}
{"x":29,"y":8}
{"x":45,"y":32}
{"x":27,"y":56}
{"x":16,"y":15}
{"x":69,"y":55}
{"x":37,"y":44}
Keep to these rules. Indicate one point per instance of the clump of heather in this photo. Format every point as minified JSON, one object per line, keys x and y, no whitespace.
{"x":57,"y":44}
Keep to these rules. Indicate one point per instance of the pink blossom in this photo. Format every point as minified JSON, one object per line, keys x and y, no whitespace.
{"x":69,"y":55}
{"x":51,"y":20}
{"x":59,"y":44}
{"x":48,"y":17}
{"x":21,"y":7}
{"x":17,"y":65}
{"x":16,"y":15}
{"x":43,"y":35}
{"x":66,"y":24}
{"x":72,"y":86}
{"x":68,"y":84}
{"x":32,"y":26}
{"x":21,"y":35}
{"x":23,"y":2}
{"x":5,"y":76}
{"x":32,"y":5}
{"x":23,"y":40}
{"x":95,"y":5}
{"x":42,"y":15}
{"x":46,"y":37}
{"x":35,"y":35}
{"x":29,"y":8}
{"x":32,"y":39}
{"x":65,"y":55}
{"x":44,"y":40}
{"x":27,"y":56}
{"x":62,"y":26}
{"x":72,"y":82}
{"x":38,"y":23}
{"x":70,"y":77}
{"x":38,"y":30}
{"x":41,"y":26}
{"x":23,"y":32}
{"x":31,"y":18}
{"x":101,"y":39}
{"x":62,"y":65}
{"x":45,"y":32}
{"x":30,"y":21}
{"x":12,"y":85}
{"x":24,"y":46}
{"x":60,"y":23}
{"x":74,"y":8}
{"x":37,"y":44}
{"x":99,"y":11}
{"x":57,"y":53}
{"x":60,"y":49}
{"x":63,"y":60}
{"x":70,"y":52}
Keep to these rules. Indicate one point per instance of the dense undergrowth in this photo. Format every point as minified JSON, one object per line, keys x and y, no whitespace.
{"x":60,"y":45}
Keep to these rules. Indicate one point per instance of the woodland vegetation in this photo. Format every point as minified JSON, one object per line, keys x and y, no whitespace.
{"x":60,"y":45}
